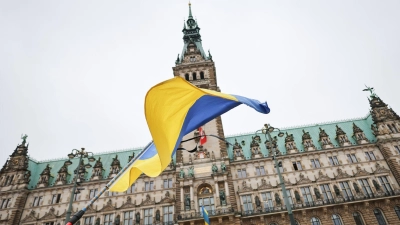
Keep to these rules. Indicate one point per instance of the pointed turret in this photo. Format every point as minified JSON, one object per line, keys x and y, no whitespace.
{"x":191,"y":38}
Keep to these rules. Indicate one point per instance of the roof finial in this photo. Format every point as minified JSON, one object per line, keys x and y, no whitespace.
{"x":370,"y":89}
{"x":190,"y":11}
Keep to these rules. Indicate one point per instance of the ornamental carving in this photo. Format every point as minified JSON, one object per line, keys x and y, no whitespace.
{"x":202,"y":153}
{"x":341,"y":174}
{"x":237,"y":150}
{"x":380,"y":169}
{"x":115,"y":167}
{"x":49,"y":215}
{"x":128,"y":203}
{"x":245,"y":187}
{"x":147,"y":201}
{"x":361,"y":172}
{"x":108,"y":206}
{"x":264,"y":185}
{"x":167,"y":198}
{"x":322,"y":177}
{"x":303,"y":180}
{"x":30,"y":217}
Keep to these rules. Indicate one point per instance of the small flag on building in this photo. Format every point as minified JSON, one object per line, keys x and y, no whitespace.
{"x":203,"y":137}
{"x":205,"y":216}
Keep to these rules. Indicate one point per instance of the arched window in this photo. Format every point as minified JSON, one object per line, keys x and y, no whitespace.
{"x":194,"y":76}
{"x":357,"y":218}
{"x":379,"y":217}
{"x":394,"y":127}
{"x":11,"y":180}
{"x":273,"y":224}
{"x":397,"y":210}
{"x":315,"y":221}
{"x":187,"y":76}
{"x":390,"y":128}
{"x":201,"y":75}
{"x":336,"y":220}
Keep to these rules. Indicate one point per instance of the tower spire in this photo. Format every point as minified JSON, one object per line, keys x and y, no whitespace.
{"x":190,"y":11}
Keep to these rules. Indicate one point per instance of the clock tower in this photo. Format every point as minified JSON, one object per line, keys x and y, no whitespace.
{"x":203,"y":176}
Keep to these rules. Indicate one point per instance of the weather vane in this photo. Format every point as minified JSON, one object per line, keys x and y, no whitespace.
{"x":370,"y":89}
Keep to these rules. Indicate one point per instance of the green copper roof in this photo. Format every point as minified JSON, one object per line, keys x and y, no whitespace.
{"x":36,"y":167}
{"x":330,"y":128}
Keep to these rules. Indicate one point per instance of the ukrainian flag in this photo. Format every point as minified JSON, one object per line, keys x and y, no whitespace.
{"x":174,"y":108}
{"x":205,"y":216}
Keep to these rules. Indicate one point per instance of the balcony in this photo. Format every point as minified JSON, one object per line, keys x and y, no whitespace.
{"x":318,"y":203}
{"x":199,"y":215}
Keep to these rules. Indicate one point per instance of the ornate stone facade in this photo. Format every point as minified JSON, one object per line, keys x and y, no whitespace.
{"x":343,"y":172}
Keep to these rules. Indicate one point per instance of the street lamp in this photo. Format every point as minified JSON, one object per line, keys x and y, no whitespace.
{"x":75,"y":153}
{"x":271,"y":145}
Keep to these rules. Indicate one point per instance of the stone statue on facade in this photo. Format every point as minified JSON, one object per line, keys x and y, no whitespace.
{"x":158,"y":217}
{"x":191,"y":171}
{"x":137,"y":218}
{"x":97,"y":221}
{"x":24,"y":137}
{"x":317,"y":193}
{"x":182,"y":173}
{"x":222,"y":197}
{"x":376,"y":185}
{"x":223,"y":167}
{"x":336,"y":190}
{"x":297,"y":196}
{"x":187,"y":202}
{"x":356,"y":188}
{"x":214,"y":168}
{"x":117,"y":220}
{"x":278,"y":199}
{"x":257,"y":200}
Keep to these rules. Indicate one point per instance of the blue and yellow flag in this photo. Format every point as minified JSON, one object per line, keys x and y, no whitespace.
{"x":205,"y":216}
{"x":174,"y":108}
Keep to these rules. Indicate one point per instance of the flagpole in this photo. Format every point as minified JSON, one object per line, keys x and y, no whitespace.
{"x":79,"y":214}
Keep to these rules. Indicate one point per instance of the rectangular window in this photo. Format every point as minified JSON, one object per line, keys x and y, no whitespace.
{"x":397,"y":148}
{"x":148,"y":186}
{"x":92,"y":193}
{"x":346,"y":191}
{"x":260,"y":170}
{"x":297,"y":165}
{"x":49,"y":223}
{"x":77,"y":195}
{"x":131,"y":189}
{"x":247,"y":204}
{"x":365,"y":187}
{"x":148,"y":216}
{"x":37,"y":201}
{"x":370,"y":155}
{"x":333,"y":160}
{"x":315,"y":163}
{"x":307,"y":197}
{"x":168,"y":183}
{"x":108,"y":219}
{"x":326,"y":193}
{"x":168,"y":215}
{"x":56,"y":199}
{"x":352,"y":158}
{"x":385,"y":184}
{"x":242,"y":173}
{"x":267,"y":199}
{"x":5,"y":202}
{"x":128,"y":218}
{"x":290,"y":199}
{"x":88,"y":220}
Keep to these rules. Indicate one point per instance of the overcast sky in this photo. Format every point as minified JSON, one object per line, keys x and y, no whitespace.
{"x":74,"y":73}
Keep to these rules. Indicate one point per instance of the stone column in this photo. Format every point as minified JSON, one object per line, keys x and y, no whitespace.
{"x":217,"y":202}
{"x":226,"y":188}
{"x":182,"y":199}
{"x":191,"y":198}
